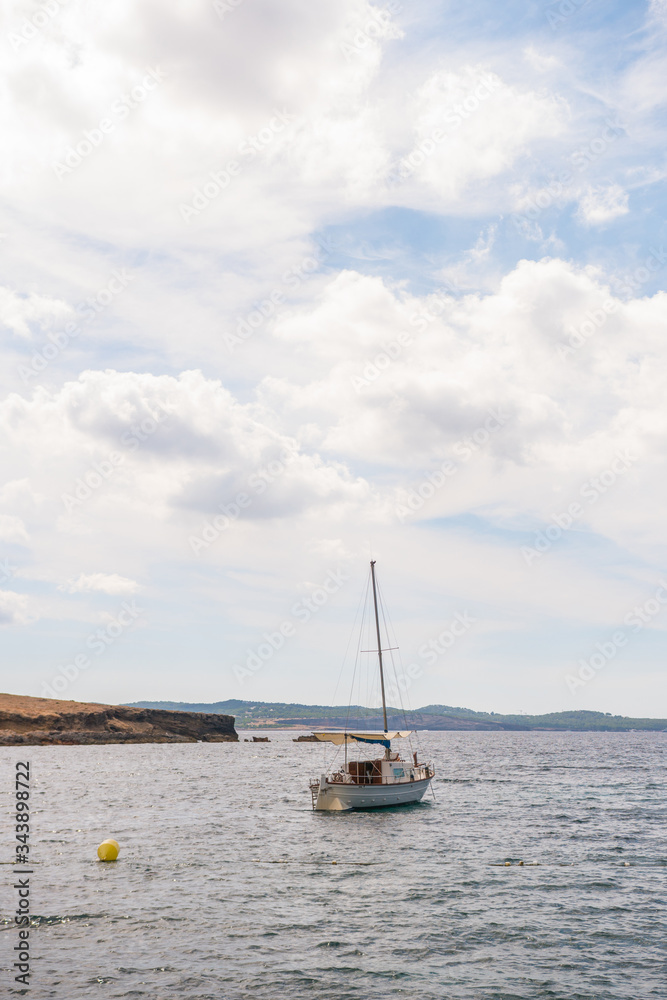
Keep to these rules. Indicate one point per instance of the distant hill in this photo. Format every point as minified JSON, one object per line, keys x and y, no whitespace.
{"x":280,"y":715}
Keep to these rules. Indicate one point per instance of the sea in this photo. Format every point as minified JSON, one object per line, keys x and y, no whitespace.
{"x":229,"y":887}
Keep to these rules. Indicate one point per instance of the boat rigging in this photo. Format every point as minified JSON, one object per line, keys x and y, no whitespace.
{"x":369,"y":784}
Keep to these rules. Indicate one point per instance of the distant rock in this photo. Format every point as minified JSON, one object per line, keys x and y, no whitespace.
{"x":26,"y":721}
{"x":306,"y":739}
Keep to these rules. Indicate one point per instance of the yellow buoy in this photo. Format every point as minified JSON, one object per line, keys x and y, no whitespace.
{"x":108,"y":850}
{"x":507,"y":864}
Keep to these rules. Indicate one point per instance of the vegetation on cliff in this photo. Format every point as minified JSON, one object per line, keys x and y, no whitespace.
{"x":264,"y":715}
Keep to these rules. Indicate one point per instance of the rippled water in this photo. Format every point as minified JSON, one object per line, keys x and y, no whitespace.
{"x":225,"y":886}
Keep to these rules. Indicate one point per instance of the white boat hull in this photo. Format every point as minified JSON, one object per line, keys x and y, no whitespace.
{"x":341,"y":797}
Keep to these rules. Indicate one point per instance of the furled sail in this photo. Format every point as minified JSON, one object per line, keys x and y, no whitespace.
{"x":378,"y":736}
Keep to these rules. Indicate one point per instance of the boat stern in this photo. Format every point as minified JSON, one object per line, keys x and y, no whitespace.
{"x":324,"y":797}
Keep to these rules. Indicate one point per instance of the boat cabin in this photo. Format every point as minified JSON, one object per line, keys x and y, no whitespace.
{"x":388,"y":770}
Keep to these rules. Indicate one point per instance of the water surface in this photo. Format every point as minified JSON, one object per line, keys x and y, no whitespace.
{"x":225,"y":888}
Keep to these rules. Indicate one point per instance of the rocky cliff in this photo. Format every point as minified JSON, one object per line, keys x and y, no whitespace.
{"x":46,"y":721}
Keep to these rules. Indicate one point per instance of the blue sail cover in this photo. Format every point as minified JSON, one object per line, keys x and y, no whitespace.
{"x":341,"y":736}
{"x":363,"y":739}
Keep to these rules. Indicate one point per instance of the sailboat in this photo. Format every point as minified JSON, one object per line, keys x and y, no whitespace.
{"x":371,"y":783}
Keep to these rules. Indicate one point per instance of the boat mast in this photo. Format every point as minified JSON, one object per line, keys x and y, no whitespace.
{"x":377,"y":629}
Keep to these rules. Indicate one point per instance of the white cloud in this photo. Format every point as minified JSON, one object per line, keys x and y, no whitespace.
{"x":328,"y":415}
{"x":186,"y":446}
{"x":568,"y":408}
{"x":164,"y":446}
{"x":223,"y":82}
{"x":12,"y":529}
{"x":14,"y":608}
{"x":19,"y":312}
{"x":470,"y":127}
{"x":104,"y":583}
{"x":601,"y":205}
{"x":658,"y":9}
{"x":539,"y":61}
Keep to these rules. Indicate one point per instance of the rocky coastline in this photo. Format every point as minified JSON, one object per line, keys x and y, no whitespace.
{"x":26,"y":721}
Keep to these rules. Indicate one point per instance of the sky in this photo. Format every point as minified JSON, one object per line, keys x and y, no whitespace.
{"x":289,"y":286}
